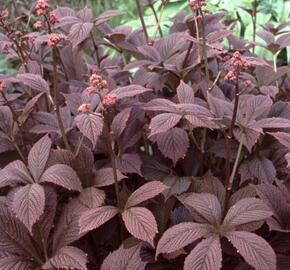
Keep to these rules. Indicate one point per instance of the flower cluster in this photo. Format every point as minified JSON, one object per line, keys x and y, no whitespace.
{"x":197,"y":6}
{"x":236,"y":64}
{"x":96,"y":82}
{"x":41,"y":7}
{"x":54,"y":39}
{"x":53,"y":18}
{"x":38,"y":25}
{"x":3,"y":86}
{"x":109,"y":99}
{"x":85,"y":107}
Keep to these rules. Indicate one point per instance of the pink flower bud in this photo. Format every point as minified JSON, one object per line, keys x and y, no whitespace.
{"x":85,"y":107}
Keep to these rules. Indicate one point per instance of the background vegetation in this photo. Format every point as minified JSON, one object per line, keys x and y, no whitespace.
{"x":239,"y":16}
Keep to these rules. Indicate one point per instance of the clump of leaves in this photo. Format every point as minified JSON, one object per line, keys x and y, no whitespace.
{"x":126,"y":150}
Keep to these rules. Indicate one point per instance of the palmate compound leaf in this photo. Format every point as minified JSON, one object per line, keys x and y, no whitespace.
{"x":34,"y":81}
{"x":67,"y":258}
{"x":94,"y":218}
{"x":145,"y":192}
{"x":185,"y":93}
{"x":92,"y":197}
{"x":207,"y":255}
{"x":38,"y":157}
{"x":90,"y":126}
{"x":15,"y":172}
{"x":173,"y":144}
{"x":247,"y":210}
{"x":62,"y":175}
{"x":141,"y":223}
{"x":180,"y":236}
{"x":205,"y":204}
{"x":28,"y":204}
{"x":254,"y":249}
{"x":163,"y":122}
{"x":124,"y":259}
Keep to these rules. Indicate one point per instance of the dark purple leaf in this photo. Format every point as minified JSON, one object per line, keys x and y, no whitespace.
{"x":129,"y":91}
{"x":62,"y":175}
{"x":173,"y":144}
{"x":105,"y":177}
{"x":67,"y":258}
{"x":245,"y":211}
{"x":34,"y":81}
{"x":94,"y":218}
{"x":38,"y":157}
{"x":185,"y":93}
{"x":124,"y":259}
{"x":180,"y":236}
{"x":28,"y":204}
{"x":141,"y":223}
{"x":79,"y":32}
{"x":207,"y":255}
{"x":145,"y":192}
{"x":92,"y":197}
{"x":163,"y":122}
{"x":254,"y":249}
{"x":120,"y":121}
{"x":90,"y":125}
{"x":207,"y":205}
{"x":129,"y":163}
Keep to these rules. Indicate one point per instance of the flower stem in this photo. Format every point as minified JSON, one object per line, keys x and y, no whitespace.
{"x":139,"y":9}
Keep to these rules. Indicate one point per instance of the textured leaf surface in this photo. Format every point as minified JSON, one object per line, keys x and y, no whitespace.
{"x":67,"y":258}
{"x":13,"y":234}
{"x":129,"y":163}
{"x":129,"y":91}
{"x":180,"y":236}
{"x":92,"y":197}
{"x":124,"y":259}
{"x":141,"y":223}
{"x":38,"y":157}
{"x":28,"y":204}
{"x":282,"y":137}
{"x":173,"y":144}
{"x":79,"y":32}
{"x":163,"y":122}
{"x":62,"y":175}
{"x":94,"y":218}
{"x":13,"y":262}
{"x":120,"y":121}
{"x":207,"y":205}
{"x":14,"y":173}
{"x":67,"y":230}
{"x":90,"y":125}
{"x":254,"y":249}
{"x":185,"y":93}
{"x":34,"y":81}
{"x":207,"y":255}
{"x":247,"y":210}
{"x":105,"y":177}
{"x":145,"y":192}
{"x":274,"y":122}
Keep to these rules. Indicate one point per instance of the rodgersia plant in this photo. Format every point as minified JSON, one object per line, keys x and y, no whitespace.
{"x":121,"y":150}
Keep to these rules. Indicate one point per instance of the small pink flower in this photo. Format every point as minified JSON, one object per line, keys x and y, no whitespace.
{"x":41,"y":7}
{"x":38,"y":25}
{"x":54,"y":39}
{"x":91,"y":89}
{"x":53,"y":18}
{"x":109,"y":99}
{"x":3,"y":86}
{"x":230,"y":76}
{"x":104,"y":84}
{"x":95,"y":79}
{"x":85,"y":107}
